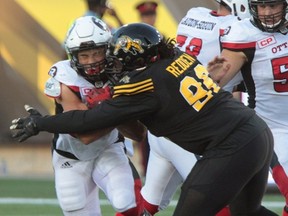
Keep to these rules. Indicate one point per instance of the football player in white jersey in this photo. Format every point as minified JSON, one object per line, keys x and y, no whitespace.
{"x":84,"y":162}
{"x":259,"y":48}
{"x":198,"y":34}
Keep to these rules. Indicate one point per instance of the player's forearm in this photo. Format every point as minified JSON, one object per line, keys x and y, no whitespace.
{"x":133,"y":130}
{"x":69,"y":122}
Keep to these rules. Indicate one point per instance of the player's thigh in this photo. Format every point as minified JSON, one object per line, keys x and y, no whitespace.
{"x":162,"y":180}
{"x":173,"y":153}
{"x":113,"y":174}
{"x":73,"y":183}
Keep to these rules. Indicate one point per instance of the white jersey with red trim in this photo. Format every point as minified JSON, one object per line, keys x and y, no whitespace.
{"x":198,"y":34}
{"x":62,"y":72}
{"x":266,"y":73}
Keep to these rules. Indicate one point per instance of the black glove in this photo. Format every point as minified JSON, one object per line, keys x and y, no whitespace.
{"x":26,"y":126}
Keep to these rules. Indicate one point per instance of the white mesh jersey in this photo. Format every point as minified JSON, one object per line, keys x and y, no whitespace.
{"x":62,"y":72}
{"x":266,"y":73}
{"x":198,"y":34}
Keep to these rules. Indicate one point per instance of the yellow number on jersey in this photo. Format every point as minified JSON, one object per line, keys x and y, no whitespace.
{"x":202,"y":90}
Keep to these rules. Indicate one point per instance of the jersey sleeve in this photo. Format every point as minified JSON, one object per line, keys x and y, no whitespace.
{"x":238,"y":37}
{"x":61,"y":72}
{"x":52,"y":88}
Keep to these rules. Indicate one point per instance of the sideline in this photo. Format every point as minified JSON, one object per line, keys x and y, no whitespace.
{"x":40,"y":201}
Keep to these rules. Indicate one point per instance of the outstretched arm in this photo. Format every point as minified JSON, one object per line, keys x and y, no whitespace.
{"x":109,"y":113}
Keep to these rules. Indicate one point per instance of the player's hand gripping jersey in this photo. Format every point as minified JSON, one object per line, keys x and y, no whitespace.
{"x":151,"y":95}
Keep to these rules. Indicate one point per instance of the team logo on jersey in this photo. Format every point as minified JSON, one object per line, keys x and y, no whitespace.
{"x":125,"y":79}
{"x":266,"y":42}
{"x":85,"y":91}
{"x":53,"y":71}
{"x":126,"y":44}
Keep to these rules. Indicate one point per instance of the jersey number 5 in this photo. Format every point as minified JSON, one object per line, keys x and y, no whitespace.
{"x":280,"y":73}
{"x":198,"y":93}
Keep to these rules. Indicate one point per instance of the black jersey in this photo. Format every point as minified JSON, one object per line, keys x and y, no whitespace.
{"x":174,"y":98}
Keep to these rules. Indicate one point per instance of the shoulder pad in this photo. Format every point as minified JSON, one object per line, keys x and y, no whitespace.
{"x":52,"y":88}
{"x":62,"y":72}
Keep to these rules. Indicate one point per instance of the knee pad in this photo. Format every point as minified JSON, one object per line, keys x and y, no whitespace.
{"x":71,"y":195}
{"x":124,"y":201}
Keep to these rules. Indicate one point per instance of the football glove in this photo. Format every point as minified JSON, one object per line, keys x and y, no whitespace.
{"x":26,"y":126}
{"x":96,"y":96}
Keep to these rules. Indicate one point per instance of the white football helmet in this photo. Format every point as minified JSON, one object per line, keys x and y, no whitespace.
{"x":239,"y":8}
{"x":87,"y":33}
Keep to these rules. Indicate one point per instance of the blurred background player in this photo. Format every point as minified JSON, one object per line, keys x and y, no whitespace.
{"x":98,"y":8}
{"x":147,"y":12}
{"x":84,"y":162}
{"x":166,"y":170}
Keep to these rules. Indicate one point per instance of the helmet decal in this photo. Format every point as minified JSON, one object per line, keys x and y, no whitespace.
{"x":135,"y":45}
{"x":128,"y":45}
{"x":100,"y":24}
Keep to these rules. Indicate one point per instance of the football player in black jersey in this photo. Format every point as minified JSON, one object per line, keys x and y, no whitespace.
{"x":171,"y":93}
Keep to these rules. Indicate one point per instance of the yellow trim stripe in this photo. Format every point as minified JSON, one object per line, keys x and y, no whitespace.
{"x":134,"y":88}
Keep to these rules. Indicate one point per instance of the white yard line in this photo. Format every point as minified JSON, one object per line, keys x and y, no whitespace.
{"x":40,"y":201}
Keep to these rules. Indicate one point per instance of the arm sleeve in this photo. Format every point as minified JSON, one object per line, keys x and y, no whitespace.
{"x":109,"y":113}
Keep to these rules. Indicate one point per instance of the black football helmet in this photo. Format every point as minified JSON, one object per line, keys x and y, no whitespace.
{"x":280,"y":20}
{"x":135,"y":45}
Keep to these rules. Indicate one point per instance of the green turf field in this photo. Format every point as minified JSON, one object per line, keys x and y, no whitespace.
{"x":36,"y":197}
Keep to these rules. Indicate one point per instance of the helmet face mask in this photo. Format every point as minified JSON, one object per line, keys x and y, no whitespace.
{"x":88,"y":34}
{"x":273,"y":22}
{"x":85,"y":67}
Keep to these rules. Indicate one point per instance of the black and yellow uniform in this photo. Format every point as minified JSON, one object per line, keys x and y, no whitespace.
{"x":177,"y":99}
